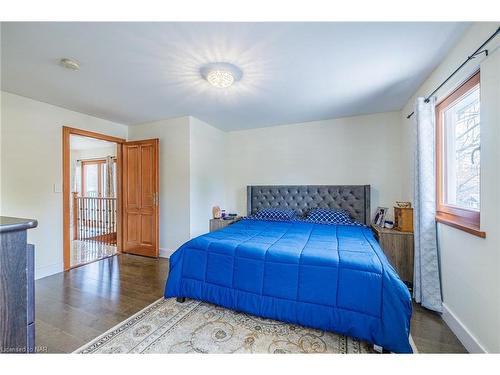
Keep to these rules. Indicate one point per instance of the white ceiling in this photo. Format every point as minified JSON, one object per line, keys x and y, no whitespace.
{"x":292,"y":72}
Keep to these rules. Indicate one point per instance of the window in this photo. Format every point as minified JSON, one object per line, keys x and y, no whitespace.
{"x":458,"y":158}
{"x":93,"y":178}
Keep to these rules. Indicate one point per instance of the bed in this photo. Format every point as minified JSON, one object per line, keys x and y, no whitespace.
{"x":329,"y":277}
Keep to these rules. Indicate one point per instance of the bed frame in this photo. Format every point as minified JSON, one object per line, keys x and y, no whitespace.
{"x":355,"y":199}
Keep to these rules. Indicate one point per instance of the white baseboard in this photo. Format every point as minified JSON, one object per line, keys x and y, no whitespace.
{"x":460,"y":330}
{"x":165,"y":253}
{"x":52,"y":269}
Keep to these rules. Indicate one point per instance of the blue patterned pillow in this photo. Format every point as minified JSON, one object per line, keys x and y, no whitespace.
{"x":328,"y":216}
{"x":275,"y":214}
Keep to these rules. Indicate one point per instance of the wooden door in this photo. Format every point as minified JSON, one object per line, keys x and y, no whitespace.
{"x":140,"y":198}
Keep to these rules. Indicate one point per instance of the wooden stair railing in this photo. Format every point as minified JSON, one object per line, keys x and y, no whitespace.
{"x":94,"y":219}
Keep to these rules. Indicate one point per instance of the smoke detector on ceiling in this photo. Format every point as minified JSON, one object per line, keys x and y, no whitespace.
{"x":69,"y":64}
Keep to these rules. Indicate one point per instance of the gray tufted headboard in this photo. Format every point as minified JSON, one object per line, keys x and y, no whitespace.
{"x":355,"y":199}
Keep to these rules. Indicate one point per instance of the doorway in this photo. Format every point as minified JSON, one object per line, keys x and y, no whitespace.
{"x":91,"y":196}
{"x":110,"y":197}
{"x":93,"y":208}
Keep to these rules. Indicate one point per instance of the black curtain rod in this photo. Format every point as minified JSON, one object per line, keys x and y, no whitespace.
{"x":476,"y":52}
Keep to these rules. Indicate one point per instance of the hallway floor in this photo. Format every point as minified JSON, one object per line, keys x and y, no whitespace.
{"x":83,"y":252}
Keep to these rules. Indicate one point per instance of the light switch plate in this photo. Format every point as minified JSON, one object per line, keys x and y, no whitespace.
{"x":57,"y":187}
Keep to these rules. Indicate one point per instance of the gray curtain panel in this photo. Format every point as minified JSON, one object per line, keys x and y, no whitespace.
{"x":426,"y":283}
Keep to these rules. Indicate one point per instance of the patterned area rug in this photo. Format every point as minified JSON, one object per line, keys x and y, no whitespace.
{"x":167,"y":326}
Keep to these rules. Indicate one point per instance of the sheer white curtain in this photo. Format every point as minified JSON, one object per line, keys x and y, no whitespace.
{"x":110,"y":181}
{"x":77,"y":174}
{"x":426,"y":280}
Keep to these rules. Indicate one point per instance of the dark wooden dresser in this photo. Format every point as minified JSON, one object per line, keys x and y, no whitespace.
{"x":17,"y":286}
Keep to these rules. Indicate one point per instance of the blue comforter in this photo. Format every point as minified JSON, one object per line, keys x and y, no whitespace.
{"x":330,"y":277}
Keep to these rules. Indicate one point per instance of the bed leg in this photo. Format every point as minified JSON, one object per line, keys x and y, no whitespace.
{"x":181,"y":299}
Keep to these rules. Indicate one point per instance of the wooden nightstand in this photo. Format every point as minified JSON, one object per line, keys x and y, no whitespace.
{"x":216,"y":224}
{"x":398,"y":247}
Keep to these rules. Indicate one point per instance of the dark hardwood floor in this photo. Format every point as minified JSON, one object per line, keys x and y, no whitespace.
{"x":431,"y":334}
{"x":74,"y":307}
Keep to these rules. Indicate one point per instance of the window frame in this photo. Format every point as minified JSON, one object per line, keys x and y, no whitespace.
{"x":85,"y":163}
{"x":460,"y":218}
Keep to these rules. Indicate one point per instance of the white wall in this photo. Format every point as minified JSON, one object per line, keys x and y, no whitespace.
{"x":201,"y":166}
{"x":31,"y":164}
{"x":191,"y":176}
{"x":354,"y":150}
{"x":98,"y":152}
{"x":174,"y":178}
{"x":470,"y":265}
{"x":207,"y":174}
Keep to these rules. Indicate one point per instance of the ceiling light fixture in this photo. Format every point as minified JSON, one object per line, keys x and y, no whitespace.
{"x":220,"y":78}
{"x":221,"y":75}
{"x":69,"y":64}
